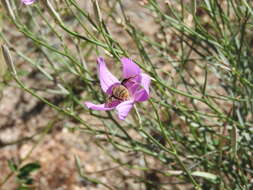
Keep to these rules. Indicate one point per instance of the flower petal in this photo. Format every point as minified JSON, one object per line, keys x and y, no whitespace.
{"x":112,"y":102}
{"x":105,"y":76}
{"x":145,"y":81}
{"x":100,"y":107}
{"x":130,"y":70}
{"x":124,"y":108}
{"x":143,"y":93}
{"x":133,"y":88}
{"x":28,"y":2}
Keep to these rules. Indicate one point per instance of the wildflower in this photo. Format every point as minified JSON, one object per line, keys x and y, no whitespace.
{"x":122,"y":95}
{"x":28,"y":2}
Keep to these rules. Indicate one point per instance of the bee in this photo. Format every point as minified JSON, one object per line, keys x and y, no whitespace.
{"x":119,"y":93}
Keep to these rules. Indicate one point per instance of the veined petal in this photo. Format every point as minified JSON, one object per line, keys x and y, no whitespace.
{"x":124,"y":108}
{"x":145,"y":82}
{"x":28,"y":2}
{"x":133,"y":88}
{"x":112,"y":102}
{"x":143,"y":93}
{"x":131,"y":70}
{"x":105,"y":76}
{"x":99,"y":107}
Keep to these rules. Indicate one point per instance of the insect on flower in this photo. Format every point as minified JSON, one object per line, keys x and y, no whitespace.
{"x":120,"y":92}
{"x":122,"y":95}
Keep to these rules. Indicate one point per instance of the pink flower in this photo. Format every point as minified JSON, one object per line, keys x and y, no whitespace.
{"x":28,"y":2}
{"x":122,"y":95}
